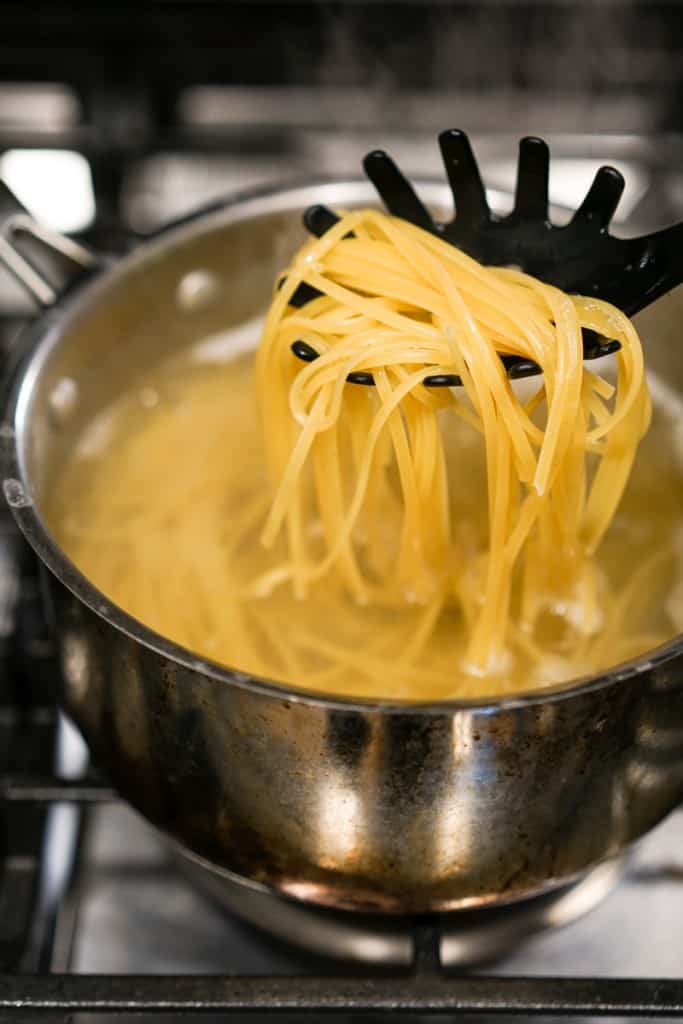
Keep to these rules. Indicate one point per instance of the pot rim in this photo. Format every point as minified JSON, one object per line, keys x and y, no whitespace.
{"x":44,"y":334}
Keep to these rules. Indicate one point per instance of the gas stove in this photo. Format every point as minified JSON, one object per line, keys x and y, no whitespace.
{"x":98,"y":914}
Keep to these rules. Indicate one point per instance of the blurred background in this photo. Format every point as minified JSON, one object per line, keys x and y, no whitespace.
{"x":117,"y":117}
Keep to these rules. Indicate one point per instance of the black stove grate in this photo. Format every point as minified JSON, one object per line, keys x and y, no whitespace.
{"x":418,"y":994}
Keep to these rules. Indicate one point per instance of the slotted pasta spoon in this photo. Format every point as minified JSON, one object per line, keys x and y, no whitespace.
{"x":580,"y":257}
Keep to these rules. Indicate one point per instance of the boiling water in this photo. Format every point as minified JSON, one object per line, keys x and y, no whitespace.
{"x":173,"y":494}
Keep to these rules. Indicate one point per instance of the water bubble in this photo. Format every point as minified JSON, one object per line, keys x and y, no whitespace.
{"x":198,"y":289}
{"x":63,"y":400}
{"x":149,"y":397}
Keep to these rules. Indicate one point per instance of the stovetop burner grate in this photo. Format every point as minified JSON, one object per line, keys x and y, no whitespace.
{"x":419,"y":993}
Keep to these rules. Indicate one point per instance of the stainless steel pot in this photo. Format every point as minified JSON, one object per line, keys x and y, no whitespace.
{"x":351,"y":804}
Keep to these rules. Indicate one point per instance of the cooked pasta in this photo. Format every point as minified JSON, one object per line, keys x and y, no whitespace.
{"x":394,"y":541}
{"x":397,"y":301}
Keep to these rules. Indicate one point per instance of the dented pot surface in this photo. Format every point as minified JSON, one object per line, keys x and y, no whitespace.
{"x":351,"y":804}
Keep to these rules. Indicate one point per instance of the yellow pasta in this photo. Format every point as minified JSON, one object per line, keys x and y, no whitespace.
{"x":394,"y":541}
{"x":399,"y":302}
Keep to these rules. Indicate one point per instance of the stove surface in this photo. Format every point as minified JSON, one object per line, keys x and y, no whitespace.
{"x":137,"y":912}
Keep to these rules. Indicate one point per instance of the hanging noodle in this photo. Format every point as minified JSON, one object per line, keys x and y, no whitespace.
{"x":397,"y":301}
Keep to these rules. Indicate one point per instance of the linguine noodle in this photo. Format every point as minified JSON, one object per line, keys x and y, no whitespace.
{"x":369,"y":463}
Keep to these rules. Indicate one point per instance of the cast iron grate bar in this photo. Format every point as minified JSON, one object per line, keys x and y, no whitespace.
{"x":18,"y":877}
{"x":430,"y":994}
{"x":48,"y":790}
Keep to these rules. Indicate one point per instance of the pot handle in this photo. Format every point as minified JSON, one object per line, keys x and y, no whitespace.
{"x":43,"y":261}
